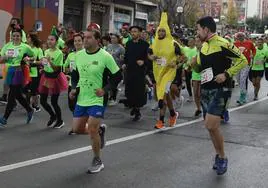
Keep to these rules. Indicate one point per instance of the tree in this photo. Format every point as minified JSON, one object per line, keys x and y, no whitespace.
{"x":254,"y":23}
{"x":231,"y":14}
{"x":191,"y":11}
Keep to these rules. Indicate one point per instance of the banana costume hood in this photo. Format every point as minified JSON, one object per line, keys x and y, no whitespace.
{"x":165,"y":50}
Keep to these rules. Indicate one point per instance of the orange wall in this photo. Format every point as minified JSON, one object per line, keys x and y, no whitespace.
{"x":47,"y":17}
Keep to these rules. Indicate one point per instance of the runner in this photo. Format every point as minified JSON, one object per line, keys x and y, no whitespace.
{"x":219,"y":62}
{"x":52,"y":82}
{"x":69,"y":66}
{"x":196,"y":79}
{"x":135,"y":64}
{"x":13,"y":54}
{"x":257,"y":69}
{"x":190,"y":52}
{"x":117,"y":51}
{"x":87,"y":84}
{"x":32,"y":87}
{"x":248,"y":49}
{"x":165,"y":53}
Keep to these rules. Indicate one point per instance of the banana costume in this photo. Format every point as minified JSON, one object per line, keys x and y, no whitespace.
{"x":165,"y":50}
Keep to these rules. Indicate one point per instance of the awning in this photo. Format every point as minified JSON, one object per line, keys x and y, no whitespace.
{"x":148,"y":3}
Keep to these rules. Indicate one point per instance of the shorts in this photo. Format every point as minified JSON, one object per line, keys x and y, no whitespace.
{"x":32,"y":87}
{"x":257,"y":73}
{"x":89,"y":111}
{"x":215,"y":101}
{"x":178,"y":77}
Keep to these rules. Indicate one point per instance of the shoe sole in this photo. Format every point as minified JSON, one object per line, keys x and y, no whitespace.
{"x":59,"y":127}
{"x":97,"y":171}
{"x":221,"y":173}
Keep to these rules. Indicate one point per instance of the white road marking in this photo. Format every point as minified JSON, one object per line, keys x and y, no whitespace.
{"x":111,"y":142}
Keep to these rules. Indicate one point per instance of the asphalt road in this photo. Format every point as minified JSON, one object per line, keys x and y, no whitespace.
{"x":137,"y":156}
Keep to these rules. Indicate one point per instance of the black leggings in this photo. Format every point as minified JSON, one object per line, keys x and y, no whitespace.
{"x":15,"y":93}
{"x":188,"y":78}
{"x":54,"y":102}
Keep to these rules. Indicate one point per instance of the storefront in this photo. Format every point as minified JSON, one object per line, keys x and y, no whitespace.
{"x":100,"y":14}
{"x":122,"y":16}
{"x":73,"y":14}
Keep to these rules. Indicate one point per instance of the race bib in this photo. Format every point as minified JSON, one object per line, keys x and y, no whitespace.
{"x":207,"y":75}
{"x":45,"y":62}
{"x":10,"y":52}
{"x":259,"y":62}
{"x":72,"y":65}
{"x":162,"y":61}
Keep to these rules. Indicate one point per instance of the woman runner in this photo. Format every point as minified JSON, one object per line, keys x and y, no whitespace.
{"x":52,"y":82}
{"x":13,"y":54}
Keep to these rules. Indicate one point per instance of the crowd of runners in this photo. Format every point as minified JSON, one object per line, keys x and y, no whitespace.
{"x":93,"y":67}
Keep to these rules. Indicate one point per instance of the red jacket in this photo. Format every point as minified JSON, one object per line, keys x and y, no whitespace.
{"x":247,"y":48}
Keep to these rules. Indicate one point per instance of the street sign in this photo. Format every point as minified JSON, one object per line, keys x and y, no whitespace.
{"x":179,"y":9}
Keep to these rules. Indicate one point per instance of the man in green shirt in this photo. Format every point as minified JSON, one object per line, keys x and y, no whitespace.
{"x":258,"y":65}
{"x":87,"y":82}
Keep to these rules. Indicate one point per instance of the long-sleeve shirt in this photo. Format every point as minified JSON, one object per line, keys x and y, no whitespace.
{"x":247,"y":48}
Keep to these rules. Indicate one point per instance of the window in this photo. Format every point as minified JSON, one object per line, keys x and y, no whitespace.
{"x":39,"y":3}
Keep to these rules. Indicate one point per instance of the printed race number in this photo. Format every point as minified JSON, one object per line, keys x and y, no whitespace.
{"x":207,"y":75}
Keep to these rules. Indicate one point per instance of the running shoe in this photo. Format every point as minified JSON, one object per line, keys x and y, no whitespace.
{"x":3,"y":122}
{"x":197,"y":113}
{"x":37,"y":109}
{"x":71,"y":132}
{"x":215,"y":165}
{"x":226,"y":116}
{"x":51,"y":121}
{"x":112,"y":103}
{"x":154,"y":106}
{"x":102,"y":134}
{"x":3,"y":99}
{"x":58,"y":124}
{"x":172,"y":120}
{"x":96,"y":166}
{"x":159,"y":125}
{"x":222,"y":166}
{"x":30,"y":117}
{"x":137,"y":116}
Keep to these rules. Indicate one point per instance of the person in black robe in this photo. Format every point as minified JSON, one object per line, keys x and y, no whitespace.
{"x":135,"y":64}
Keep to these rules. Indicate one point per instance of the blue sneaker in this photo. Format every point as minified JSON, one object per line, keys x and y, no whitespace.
{"x":222,"y":166}
{"x":30,"y":117}
{"x":3,"y":121}
{"x":215,"y":165}
{"x":226,"y":116}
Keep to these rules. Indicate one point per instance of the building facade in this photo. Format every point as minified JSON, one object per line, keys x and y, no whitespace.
{"x":263,"y":8}
{"x":109,"y":14}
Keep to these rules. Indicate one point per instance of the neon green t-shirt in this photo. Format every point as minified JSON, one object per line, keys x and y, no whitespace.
{"x":56,"y":57}
{"x":15,"y":53}
{"x":91,"y":68}
{"x":259,"y":59}
{"x":190,"y":53}
{"x":60,"y":43}
{"x":70,"y":63}
{"x":38,"y":55}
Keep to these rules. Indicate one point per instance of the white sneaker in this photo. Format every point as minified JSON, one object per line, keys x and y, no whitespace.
{"x":190,"y":99}
{"x":155,"y":106}
{"x":112,"y":103}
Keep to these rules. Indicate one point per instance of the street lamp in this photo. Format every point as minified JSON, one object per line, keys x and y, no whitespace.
{"x":179,"y":11}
